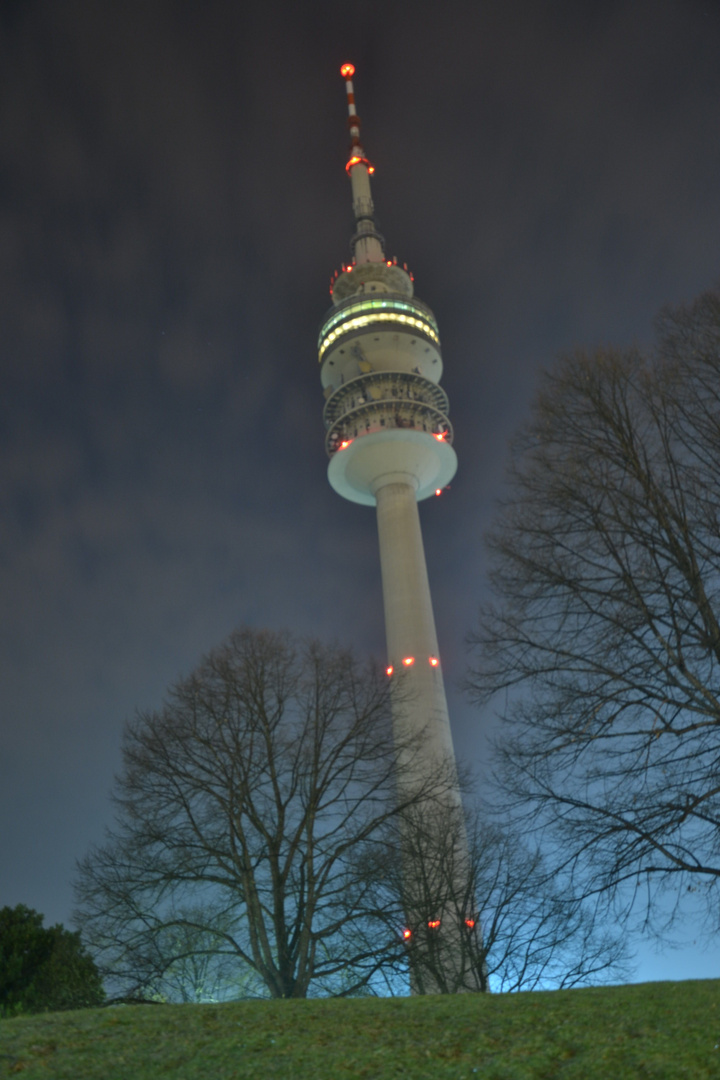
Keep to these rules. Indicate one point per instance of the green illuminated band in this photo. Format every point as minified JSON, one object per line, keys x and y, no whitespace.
{"x":383,"y":310}
{"x":377,"y":304}
{"x":369,"y":320}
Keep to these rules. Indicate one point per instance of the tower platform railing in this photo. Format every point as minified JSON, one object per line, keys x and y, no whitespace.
{"x":387,"y":416}
{"x":383,"y":386}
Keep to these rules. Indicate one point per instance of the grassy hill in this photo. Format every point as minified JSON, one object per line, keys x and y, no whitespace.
{"x":657,"y":1030}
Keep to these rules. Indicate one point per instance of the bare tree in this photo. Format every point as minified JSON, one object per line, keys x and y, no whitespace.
{"x":249,"y":810}
{"x":187,"y":960}
{"x":430,"y":877}
{"x":603,"y":641}
{"x":482,"y":895}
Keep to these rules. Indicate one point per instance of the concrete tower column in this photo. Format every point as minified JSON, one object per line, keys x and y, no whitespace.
{"x":424,"y":739}
{"x":410,"y":626}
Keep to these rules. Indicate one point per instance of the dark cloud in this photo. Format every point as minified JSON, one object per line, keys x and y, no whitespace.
{"x":172,"y":203}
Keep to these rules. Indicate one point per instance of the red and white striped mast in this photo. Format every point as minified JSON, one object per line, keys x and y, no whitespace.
{"x":367,"y":242}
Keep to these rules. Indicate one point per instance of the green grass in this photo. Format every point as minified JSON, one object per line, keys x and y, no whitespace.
{"x":653,"y":1030}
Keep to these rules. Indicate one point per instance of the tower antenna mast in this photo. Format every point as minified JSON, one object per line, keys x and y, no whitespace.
{"x":367,"y":244}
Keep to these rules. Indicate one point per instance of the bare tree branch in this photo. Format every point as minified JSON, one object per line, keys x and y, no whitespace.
{"x":604,"y":636}
{"x":255,"y":795}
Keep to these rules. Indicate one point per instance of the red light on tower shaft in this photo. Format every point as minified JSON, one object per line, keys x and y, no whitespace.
{"x":389,"y":669}
{"x":355,"y":160}
{"x":407,"y":934}
{"x":434,"y":924}
{"x":433,"y":661}
{"x":408,"y":661}
{"x":470,"y":923}
{"x":347,"y":71}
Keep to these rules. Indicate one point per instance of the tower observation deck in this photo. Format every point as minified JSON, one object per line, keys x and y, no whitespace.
{"x":389,"y":440}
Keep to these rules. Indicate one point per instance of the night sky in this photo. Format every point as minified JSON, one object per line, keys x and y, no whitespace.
{"x":172,"y":204}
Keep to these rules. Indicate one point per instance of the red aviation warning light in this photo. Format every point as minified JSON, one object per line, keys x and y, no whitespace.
{"x":433,"y":661}
{"x":407,"y":934}
{"x":347,"y":71}
{"x":408,"y":661}
{"x":470,"y":923}
{"x":389,"y":669}
{"x":355,"y":160}
{"x":433,"y":924}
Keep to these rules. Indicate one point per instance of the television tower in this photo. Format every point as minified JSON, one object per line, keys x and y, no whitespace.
{"x":389,"y":441}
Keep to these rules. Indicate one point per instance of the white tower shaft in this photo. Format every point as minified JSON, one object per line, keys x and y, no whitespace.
{"x":435,"y":843}
{"x":410,"y":625}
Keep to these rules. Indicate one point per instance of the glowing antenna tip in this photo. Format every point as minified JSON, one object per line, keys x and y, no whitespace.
{"x":347,"y":71}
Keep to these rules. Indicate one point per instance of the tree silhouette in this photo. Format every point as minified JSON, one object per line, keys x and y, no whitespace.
{"x":603,"y":641}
